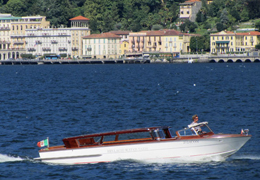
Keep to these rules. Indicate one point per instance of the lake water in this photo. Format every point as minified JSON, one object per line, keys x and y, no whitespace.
{"x":59,"y":101}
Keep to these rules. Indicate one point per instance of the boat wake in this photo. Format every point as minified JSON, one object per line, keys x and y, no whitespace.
{"x":7,"y":158}
{"x":249,"y":157}
{"x":186,"y":160}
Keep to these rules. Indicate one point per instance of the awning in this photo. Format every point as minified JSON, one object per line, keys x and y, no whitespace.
{"x":222,"y":42}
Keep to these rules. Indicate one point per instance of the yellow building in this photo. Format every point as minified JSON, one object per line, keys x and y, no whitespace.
{"x":101,"y":46}
{"x":226,"y":41}
{"x":176,"y":42}
{"x":12,"y":33}
{"x":162,"y":41}
{"x":124,"y":42}
{"x":79,"y":28}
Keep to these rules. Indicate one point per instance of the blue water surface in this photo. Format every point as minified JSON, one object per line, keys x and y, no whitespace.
{"x":58,"y":101}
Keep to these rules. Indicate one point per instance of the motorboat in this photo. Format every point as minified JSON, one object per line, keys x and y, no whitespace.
{"x":153,"y":143}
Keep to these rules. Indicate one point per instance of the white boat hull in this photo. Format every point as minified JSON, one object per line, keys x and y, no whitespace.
{"x":199,"y":148}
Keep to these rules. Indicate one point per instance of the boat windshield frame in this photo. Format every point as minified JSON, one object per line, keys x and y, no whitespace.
{"x":193,"y":130}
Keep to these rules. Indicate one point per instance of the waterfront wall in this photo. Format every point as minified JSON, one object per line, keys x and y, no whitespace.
{"x":182,"y":59}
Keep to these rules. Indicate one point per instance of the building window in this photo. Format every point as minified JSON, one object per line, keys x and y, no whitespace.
{"x":188,"y":12}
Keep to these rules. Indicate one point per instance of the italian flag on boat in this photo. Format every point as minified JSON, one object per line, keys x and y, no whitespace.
{"x":43,"y":143}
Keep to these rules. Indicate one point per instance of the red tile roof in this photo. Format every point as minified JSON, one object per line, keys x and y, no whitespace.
{"x":154,"y":33}
{"x":101,"y":36}
{"x":172,"y":32}
{"x":79,"y":18}
{"x":251,"y":33}
{"x":120,"y":32}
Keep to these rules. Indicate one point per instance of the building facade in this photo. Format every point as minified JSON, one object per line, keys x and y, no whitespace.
{"x":124,"y":42}
{"x":137,"y":42}
{"x":162,"y":41}
{"x":48,"y":41}
{"x":189,"y":9}
{"x":12,"y":33}
{"x":79,"y":28}
{"x":101,"y":46}
{"x":58,"y":41}
{"x":226,"y":41}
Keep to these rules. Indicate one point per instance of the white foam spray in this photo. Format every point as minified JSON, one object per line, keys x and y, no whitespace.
{"x":7,"y":158}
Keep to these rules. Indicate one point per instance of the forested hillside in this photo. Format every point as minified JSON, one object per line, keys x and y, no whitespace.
{"x":135,"y":15}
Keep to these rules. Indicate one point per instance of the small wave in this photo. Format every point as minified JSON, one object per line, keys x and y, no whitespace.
{"x":252,"y":157}
{"x":7,"y":158}
{"x":186,"y":160}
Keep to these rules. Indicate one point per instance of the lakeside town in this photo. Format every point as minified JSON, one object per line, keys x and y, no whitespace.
{"x":34,"y":37}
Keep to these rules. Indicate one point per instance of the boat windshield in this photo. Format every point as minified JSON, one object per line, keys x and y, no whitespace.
{"x":158,"y":134}
{"x":194,"y":130}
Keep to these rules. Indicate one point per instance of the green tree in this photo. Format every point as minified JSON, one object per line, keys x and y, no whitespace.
{"x":157,"y":27}
{"x":220,"y":26}
{"x":16,"y":7}
{"x":257,"y":25}
{"x":257,"y":46}
{"x":224,"y":17}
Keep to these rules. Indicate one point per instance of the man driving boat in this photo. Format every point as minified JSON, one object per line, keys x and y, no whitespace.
{"x":195,"y":119}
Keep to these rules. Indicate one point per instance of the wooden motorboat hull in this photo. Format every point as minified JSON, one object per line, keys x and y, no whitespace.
{"x":218,"y":145}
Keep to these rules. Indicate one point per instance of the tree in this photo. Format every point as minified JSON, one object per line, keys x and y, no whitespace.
{"x":220,"y":26}
{"x":257,"y":25}
{"x":188,"y":26}
{"x":257,"y":46}
{"x":157,"y":27}
{"x":235,"y":14}
{"x":224,"y":17}
{"x":16,"y":7}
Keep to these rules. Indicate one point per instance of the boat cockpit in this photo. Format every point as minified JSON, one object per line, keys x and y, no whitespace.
{"x":197,"y":129}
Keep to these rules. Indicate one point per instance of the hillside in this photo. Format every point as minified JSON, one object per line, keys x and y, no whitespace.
{"x":136,"y":15}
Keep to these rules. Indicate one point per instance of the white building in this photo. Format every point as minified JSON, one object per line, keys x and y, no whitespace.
{"x":102,"y":46}
{"x":48,"y":41}
{"x":12,"y":33}
{"x":58,"y":41}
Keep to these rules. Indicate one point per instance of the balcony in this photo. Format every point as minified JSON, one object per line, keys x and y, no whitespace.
{"x":4,"y":28}
{"x":62,"y":34}
{"x":31,"y":49}
{"x":46,"y":49}
{"x":54,"y":41}
{"x":75,"y":49}
{"x":5,"y":42}
{"x":38,"y":42}
{"x":62,"y":49}
{"x":45,"y":34}
{"x":89,"y":49}
{"x":18,"y":42}
{"x":222,"y":47}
